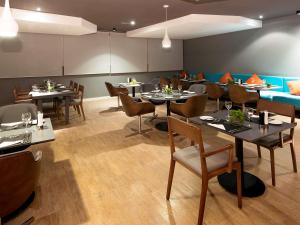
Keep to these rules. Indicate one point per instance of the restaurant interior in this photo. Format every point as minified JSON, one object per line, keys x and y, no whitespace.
{"x":165,"y":112}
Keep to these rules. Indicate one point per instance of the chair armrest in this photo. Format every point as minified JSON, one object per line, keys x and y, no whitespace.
{"x":228,"y":148}
{"x":38,"y":156}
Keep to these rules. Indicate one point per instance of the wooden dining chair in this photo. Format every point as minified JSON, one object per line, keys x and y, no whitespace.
{"x":163,"y":81}
{"x":175,"y":82}
{"x":215,"y":92}
{"x":201,"y":159}
{"x":75,"y":87}
{"x":277,"y":141}
{"x":71,"y":85}
{"x":240,"y":96}
{"x":21,"y":96}
{"x":194,"y":106}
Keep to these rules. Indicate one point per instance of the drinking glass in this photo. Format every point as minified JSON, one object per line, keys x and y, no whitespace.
{"x":228,"y":105}
{"x":250,"y":113}
{"x":156,"y":87}
{"x":26,"y":118}
{"x":179,"y":88}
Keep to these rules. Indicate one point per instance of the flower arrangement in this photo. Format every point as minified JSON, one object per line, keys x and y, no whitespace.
{"x":236,"y":116}
{"x":168,"y":90}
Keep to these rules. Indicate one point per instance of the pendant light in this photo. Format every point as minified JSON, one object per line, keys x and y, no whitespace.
{"x":166,"y":43}
{"x":8,"y":26}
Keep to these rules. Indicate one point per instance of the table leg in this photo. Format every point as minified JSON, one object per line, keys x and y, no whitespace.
{"x":252,"y":186}
{"x":67,"y":109}
{"x":163,"y":126}
{"x":133,"y":92}
{"x":40,"y":105}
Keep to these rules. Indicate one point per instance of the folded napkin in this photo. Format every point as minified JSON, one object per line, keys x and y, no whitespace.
{"x":147,"y":96}
{"x":219,"y":126}
{"x":9,"y":143}
{"x":11,"y":124}
{"x":189,"y":92}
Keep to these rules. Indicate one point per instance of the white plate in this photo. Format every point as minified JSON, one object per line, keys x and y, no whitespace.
{"x":255,"y":117}
{"x":275,"y":122}
{"x":206,"y":118}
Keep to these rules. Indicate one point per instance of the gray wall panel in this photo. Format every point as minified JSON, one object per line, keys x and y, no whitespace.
{"x":94,"y":84}
{"x":273,"y":50}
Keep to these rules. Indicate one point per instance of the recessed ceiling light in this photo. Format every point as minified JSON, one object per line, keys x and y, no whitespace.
{"x":132,"y":22}
{"x":298,"y":12}
{"x":261,"y":17}
{"x":166,"y":6}
{"x":38,"y":9}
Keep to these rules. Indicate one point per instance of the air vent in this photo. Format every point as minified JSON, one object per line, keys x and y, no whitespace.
{"x":202,"y":1}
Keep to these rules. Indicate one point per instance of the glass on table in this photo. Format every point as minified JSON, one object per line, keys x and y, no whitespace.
{"x":249,"y":113}
{"x":179,"y":88}
{"x":228,"y":105}
{"x":26,"y":118}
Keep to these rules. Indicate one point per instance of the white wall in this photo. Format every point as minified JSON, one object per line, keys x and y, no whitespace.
{"x":37,"y":55}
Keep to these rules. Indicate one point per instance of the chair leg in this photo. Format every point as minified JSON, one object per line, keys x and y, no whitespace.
{"x":187,"y":120}
{"x":243,"y":107}
{"x":202,"y":201}
{"x":293,"y":157}
{"x":118,"y":101}
{"x":239,"y":185}
{"x":78,"y":110}
{"x":170,"y":181}
{"x":140,"y":124}
{"x":273,"y":167}
{"x":82,"y":111}
{"x":258,"y":151}
{"x":218,"y":104}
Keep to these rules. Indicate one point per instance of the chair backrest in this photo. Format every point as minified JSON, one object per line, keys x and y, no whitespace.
{"x":175,"y":81}
{"x":282,"y":109}
{"x":164,"y":81}
{"x":198,"y":88}
{"x":81,"y":92}
{"x":71,"y":85}
{"x":19,"y":176}
{"x":214,"y":91}
{"x":75,"y":87}
{"x":129,"y":105}
{"x":195,"y":106}
{"x":13,"y":113}
{"x":147,"y":87}
{"x":189,"y":131}
{"x":238,"y":94}
{"x":110,"y":89}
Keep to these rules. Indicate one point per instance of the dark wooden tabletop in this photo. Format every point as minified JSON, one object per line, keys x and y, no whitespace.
{"x":253,"y":134}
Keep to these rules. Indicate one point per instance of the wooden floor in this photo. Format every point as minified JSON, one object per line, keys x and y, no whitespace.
{"x":95,"y":174}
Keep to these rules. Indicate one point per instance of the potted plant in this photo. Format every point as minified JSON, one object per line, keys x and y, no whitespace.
{"x":168,"y":90}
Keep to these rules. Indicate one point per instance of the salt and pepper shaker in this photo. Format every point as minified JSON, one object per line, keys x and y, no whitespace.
{"x":40,"y":119}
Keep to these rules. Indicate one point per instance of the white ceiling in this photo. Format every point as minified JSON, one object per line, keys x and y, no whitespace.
{"x":46,"y":23}
{"x":195,"y":26}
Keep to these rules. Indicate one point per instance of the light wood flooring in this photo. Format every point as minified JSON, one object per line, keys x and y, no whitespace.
{"x":94,"y":174}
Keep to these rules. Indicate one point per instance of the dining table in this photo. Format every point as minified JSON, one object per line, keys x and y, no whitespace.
{"x":39,"y":94}
{"x":158,"y":95}
{"x":131,"y":85}
{"x":253,"y":87}
{"x":15,"y":136}
{"x":250,"y":131}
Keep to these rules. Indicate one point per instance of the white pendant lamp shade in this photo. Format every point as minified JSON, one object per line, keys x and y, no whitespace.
{"x":166,"y":43}
{"x":8,"y":25}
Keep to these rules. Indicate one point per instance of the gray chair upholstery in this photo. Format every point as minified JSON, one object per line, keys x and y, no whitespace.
{"x":13,"y":113}
{"x":198,"y":88}
{"x":190,"y":157}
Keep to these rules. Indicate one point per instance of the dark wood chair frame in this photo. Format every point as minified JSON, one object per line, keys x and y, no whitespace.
{"x":178,"y":127}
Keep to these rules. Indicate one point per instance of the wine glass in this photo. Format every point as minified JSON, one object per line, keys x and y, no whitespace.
{"x":26,"y":118}
{"x":179,"y":88}
{"x":228,"y":105}
{"x":250,"y":113}
{"x":156,"y":86}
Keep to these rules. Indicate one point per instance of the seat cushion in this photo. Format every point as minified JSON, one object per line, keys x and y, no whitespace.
{"x":272,"y":140}
{"x":190,"y":157}
{"x":225,"y":78}
{"x":254,"y":79}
